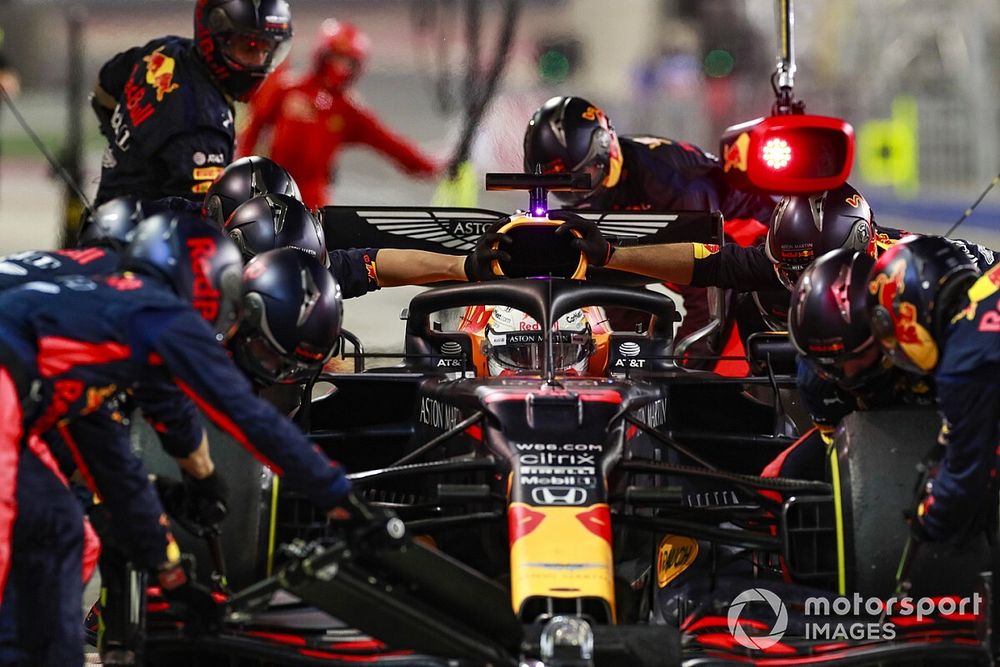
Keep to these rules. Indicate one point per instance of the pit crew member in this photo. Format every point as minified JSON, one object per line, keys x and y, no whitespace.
{"x":935,"y":316}
{"x":97,"y":446}
{"x":640,"y":173}
{"x":840,"y":367}
{"x":166,"y":108}
{"x":313,"y":118}
{"x":69,"y":343}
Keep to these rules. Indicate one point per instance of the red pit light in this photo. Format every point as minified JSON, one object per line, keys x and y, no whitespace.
{"x":777,"y":153}
{"x":788,"y":154}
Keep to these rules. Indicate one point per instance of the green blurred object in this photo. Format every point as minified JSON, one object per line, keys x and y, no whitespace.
{"x":459,"y":190}
{"x":553,"y":66}
{"x":719,"y":63}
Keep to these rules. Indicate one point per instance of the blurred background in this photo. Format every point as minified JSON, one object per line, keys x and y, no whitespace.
{"x":918,"y":79}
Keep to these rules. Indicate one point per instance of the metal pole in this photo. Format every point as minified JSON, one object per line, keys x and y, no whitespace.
{"x":72,"y":151}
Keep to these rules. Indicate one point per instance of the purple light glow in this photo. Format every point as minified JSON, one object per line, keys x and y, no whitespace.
{"x":539,"y":211}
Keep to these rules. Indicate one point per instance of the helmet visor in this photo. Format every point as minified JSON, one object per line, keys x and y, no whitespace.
{"x":525,"y":350}
{"x":261,"y":359}
{"x":255,"y":52}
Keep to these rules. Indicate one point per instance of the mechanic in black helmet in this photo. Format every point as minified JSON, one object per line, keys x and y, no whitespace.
{"x":292,"y":317}
{"x":936,"y":316}
{"x":639,"y":173}
{"x":802,"y":228}
{"x":98,"y":446}
{"x":166,"y":108}
{"x":840,"y":366}
{"x":243,"y":180}
{"x":68,"y":344}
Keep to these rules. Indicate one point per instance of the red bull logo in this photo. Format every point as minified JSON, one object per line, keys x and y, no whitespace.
{"x":204,"y":296}
{"x":160,"y":73}
{"x":909,"y":335}
{"x":735,"y":155}
{"x":854,"y":200}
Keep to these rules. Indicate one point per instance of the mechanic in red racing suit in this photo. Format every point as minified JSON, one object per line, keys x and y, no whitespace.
{"x":166,"y":108}
{"x":68,"y":344}
{"x":313,"y":118}
{"x":935,"y":316}
{"x":641,"y":173}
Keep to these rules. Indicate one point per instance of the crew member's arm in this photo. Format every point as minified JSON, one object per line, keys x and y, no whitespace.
{"x":698,"y":264}
{"x":417,"y":267}
{"x":362,"y":270}
{"x":826,"y":403}
{"x":109,"y":86}
{"x":101,"y":449}
{"x":365,"y":128}
{"x":178,"y":425}
{"x":190,"y":162}
{"x":199,"y":366}
{"x":962,"y":488}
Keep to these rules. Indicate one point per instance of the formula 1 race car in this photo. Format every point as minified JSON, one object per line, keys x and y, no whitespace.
{"x":609,"y":513}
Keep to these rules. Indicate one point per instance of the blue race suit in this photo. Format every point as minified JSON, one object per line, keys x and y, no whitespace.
{"x":170,"y":130}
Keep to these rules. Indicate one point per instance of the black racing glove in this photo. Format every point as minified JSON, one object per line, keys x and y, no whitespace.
{"x":591,"y":242}
{"x":479,"y":263}
{"x":209,"y":497}
{"x":199,"y":505}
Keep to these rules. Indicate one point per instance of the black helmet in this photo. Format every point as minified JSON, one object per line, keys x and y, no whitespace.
{"x":806,"y":227}
{"x":196,"y":260}
{"x":242,"y":41}
{"x":111,"y":223}
{"x":245,"y":179}
{"x":912,"y":293}
{"x":276,"y":221}
{"x":828,"y":315}
{"x":293,"y":311}
{"x":569,"y":134}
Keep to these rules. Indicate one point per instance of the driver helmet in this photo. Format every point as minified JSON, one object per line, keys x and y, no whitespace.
{"x":569,"y":134}
{"x":514,"y":343}
{"x":242,"y":41}
{"x":805,"y":227}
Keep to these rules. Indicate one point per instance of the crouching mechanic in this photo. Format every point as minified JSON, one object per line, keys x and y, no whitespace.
{"x":97,"y":447}
{"x":840,"y":367}
{"x":69,"y":343}
{"x":935,"y":316}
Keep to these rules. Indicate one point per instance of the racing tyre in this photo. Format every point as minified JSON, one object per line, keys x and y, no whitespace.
{"x":874,"y":471}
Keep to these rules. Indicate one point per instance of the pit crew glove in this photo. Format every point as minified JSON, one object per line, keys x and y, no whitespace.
{"x":479,"y":263}
{"x":198,"y":505}
{"x":591,"y":243}
{"x":209,"y":497}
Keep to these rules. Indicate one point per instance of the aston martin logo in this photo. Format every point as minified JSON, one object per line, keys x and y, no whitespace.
{"x":459,"y":230}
